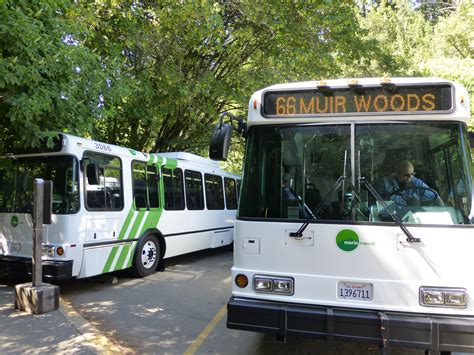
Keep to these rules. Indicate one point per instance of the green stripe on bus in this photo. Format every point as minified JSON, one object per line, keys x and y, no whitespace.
{"x":110,"y":260}
{"x":132,"y":254}
{"x":126,"y":224}
{"x":122,"y":257}
{"x":136,"y":225}
{"x":171,"y":163}
{"x":150,"y":222}
{"x":134,"y":233}
{"x":113,"y":252}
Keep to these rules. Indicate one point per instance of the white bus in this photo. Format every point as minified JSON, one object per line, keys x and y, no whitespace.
{"x":355,"y":218}
{"x":113,"y":208}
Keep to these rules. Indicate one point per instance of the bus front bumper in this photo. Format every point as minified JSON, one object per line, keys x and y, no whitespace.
{"x":386,"y":329}
{"x":17,"y":267}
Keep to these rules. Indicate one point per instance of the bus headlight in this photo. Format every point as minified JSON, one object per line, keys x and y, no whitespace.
{"x":51,"y":251}
{"x":455,"y":298}
{"x":443,"y":297}
{"x":48,"y":250}
{"x":262,"y":284}
{"x":273,"y":284}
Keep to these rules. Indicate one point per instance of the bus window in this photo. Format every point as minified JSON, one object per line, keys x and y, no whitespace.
{"x":214,"y":193}
{"x":107,"y":194}
{"x":18,"y":196}
{"x":238,"y":187}
{"x":194,"y":191}
{"x":139,"y":188}
{"x":152,"y":181}
{"x":230,"y":194}
{"x":173,"y":183}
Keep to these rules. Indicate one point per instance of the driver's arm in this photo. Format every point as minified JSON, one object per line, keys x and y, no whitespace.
{"x":427,"y":193}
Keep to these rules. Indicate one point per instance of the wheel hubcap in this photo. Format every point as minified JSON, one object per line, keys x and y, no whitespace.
{"x":149,"y":254}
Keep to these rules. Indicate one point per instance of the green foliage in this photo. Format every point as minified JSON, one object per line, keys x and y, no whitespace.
{"x":425,"y":42}
{"x":156,"y":75}
{"x":48,"y":80}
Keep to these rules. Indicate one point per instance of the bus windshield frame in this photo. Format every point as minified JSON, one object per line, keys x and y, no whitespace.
{"x":17,"y":176}
{"x":291,"y":173}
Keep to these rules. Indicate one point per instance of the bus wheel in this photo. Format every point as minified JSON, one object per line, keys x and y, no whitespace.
{"x":147,"y":256}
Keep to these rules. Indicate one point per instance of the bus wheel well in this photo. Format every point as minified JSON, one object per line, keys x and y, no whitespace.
{"x":161,"y":240}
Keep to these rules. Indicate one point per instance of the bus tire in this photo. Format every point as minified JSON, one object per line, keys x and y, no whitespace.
{"x":147,"y":256}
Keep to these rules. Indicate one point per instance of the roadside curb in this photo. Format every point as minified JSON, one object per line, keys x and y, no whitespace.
{"x":89,"y":333}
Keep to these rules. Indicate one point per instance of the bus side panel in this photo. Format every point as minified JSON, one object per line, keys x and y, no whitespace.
{"x":187,"y":231}
{"x":106,"y":258}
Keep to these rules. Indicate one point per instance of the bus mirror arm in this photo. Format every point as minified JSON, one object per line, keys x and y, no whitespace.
{"x":398,"y":221}
{"x":241,"y":126}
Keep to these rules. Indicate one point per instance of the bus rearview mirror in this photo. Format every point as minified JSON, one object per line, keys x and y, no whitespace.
{"x":92,"y":172}
{"x":220,"y":142}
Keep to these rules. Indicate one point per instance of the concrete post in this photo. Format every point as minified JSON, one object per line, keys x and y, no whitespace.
{"x":37,"y":267}
{"x":37,"y":297}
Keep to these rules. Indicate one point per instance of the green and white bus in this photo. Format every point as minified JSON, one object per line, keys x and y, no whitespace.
{"x":321,"y":250}
{"x":113,"y":208}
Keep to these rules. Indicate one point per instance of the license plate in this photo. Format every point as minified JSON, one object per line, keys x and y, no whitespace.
{"x":15,"y":247}
{"x":354,"y":291}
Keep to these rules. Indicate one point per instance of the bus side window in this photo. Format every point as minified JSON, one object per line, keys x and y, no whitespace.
{"x":230,"y":194}
{"x":194,"y":190}
{"x":139,"y":185}
{"x":174,"y":192}
{"x":107,"y":194}
{"x":237,"y":185}
{"x":214,"y":192}
{"x":152,"y":181}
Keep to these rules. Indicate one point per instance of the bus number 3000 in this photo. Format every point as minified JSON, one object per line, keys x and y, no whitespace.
{"x":104,"y":147}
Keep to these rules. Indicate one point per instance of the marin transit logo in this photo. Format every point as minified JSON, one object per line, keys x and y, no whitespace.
{"x":347,"y":240}
{"x":14,"y":221}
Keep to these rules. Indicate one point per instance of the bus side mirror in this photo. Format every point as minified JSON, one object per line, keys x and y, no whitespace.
{"x":92,"y":172}
{"x":471,"y":139}
{"x":220,"y":142}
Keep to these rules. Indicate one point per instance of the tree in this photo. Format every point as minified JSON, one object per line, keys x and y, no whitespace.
{"x":415,"y":44}
{"x":185,"y":63}
{"x":49,"y":81}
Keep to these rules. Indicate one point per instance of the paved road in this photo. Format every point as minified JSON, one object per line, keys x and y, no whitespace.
{"x":182,"y":310}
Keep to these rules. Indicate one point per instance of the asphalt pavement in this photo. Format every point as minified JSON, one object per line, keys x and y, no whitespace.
{"x":58,"y":331}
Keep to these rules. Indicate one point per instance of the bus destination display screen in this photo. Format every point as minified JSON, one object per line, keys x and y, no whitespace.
{"x":407,"y":99}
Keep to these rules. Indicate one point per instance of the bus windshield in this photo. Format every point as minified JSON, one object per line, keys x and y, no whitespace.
{"x":17,"y":177}
{"x":421,"y":172}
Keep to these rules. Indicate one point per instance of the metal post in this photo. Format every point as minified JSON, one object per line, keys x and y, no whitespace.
{"x":37,"y":267}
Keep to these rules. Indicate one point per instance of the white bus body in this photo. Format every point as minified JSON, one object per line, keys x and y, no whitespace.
{"x":318,"y":253}
{"x":140,"y":209}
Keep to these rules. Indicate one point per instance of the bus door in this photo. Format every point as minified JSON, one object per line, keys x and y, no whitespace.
{"x":103,"y":196}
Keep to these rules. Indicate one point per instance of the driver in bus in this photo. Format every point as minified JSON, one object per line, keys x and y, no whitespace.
{"x":403,"y":188}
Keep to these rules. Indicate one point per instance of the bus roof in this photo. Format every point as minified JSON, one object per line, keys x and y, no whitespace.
{"x":190,"y":157}
{"x":76,"y":145}
{"x":363,"y":99}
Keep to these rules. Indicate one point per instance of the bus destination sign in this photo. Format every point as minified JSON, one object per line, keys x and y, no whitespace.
{"x":408,"y":99}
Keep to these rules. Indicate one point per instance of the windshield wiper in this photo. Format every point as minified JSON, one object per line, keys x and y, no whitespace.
{"x":334,"y":187}
{"x":340,"y":180}
{"x":391,"y":213}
